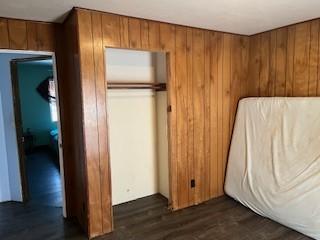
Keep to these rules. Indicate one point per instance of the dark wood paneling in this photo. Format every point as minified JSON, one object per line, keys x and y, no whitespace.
{"x":206,"y":77}
{"x":4,"y":34}
{"x":45,"y":37}
{"x":32,"y":35}
{"x":182,"y":114}
{"x":27,"y":35}
{"x":198,"y":78}
{"x":134,"y":33}
{"x":90,"y":122}
{"x":17,"y":30}
{"x":98,"y":50}
{"x":255,"y":66}
{"x":285,"y":61}
{"x":70,"y":101}
{"x":189,"y":142}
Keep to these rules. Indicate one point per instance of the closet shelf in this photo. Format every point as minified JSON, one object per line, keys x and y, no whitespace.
{"x":137,"y":85}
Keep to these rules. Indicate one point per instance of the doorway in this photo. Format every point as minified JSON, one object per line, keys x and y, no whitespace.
{"x":34,"y":142}
{"x":137,"y":124}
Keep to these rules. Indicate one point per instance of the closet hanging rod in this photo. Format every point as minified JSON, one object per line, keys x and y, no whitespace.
{"x":137,"y":85}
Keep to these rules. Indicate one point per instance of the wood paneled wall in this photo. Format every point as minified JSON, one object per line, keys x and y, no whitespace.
{"x":208,"y":73}
{"x":71,"y":112}
{"x":285,"y":61}
{"x":207,"y":77}
{"x":27,"y":35}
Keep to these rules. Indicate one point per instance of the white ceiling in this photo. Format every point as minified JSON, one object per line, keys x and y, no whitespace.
{"x":236,"y":16}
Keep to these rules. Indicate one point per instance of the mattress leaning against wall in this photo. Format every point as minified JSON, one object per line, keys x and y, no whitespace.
{"x":274,"y":161}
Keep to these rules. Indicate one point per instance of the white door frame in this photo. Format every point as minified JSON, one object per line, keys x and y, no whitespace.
{"x":54,"y":68}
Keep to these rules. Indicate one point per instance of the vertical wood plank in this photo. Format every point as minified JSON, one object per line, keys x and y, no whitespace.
{"x":198,"y":110}
{"x":45,"y":37}
{"x":182,"y":114}
{"x":313,"y":58}
{"x":154,"y":35}
{"x":244,"y":65}
{"x":99,"y":72}
{"x":301,"y":61}
{"x":167,"y":36}
{"x":254,"y":65}
{"x":167,"y":42}
{"x":111,"y":30}
{"x":91,"y":137}
{"x":226,"y":100}
{"x":216,"y":39}
{"x":290,"y":60}
{"x":281,"y":54}
{"x":17,"y":34}
{"x":134,"y":33}
{"x":264,"y":64}
{"x":190,"y":142}
{"x":124,"y":32}
{"x":220,"y":133}
{"x":207,"y":126}
{"x":4,"y":34}
{"x":235,"y":81}
{"x":273,"y":64}
{"x":32,"y":35}
{"x":144,"y":24}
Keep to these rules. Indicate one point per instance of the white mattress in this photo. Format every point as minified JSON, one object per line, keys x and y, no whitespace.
{"x":274,"y":161}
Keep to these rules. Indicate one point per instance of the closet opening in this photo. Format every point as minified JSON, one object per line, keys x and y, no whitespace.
{"x":138,"y":136}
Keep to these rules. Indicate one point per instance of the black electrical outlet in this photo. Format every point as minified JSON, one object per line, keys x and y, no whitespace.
{"x":193,"y":183}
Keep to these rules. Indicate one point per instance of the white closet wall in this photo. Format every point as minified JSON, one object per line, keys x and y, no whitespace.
{"x":137,"y":129}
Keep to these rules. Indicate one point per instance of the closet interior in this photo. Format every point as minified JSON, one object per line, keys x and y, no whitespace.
{"x":137,"y":123}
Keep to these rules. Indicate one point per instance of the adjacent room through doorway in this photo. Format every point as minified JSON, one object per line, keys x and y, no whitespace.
{"x":39,"y":119}
{"x":31,"y":169}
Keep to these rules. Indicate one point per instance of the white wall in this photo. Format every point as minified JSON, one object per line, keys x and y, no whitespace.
{"x":133,"y":129}
{"x":10,"y":182}
{"x":130,"y":65}
{"x":4,"y":175}
{"x":132,"y":144}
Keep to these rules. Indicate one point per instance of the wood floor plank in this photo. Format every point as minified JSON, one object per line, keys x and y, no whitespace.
{"x":149,"y":219}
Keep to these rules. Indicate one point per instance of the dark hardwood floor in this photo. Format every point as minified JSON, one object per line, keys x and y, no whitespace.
{"x":145,"y":219}
{"x":20,"y":221}
{"x":221,"y":218}
{"x":41,"y":217}
{"x":44,"y":181}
